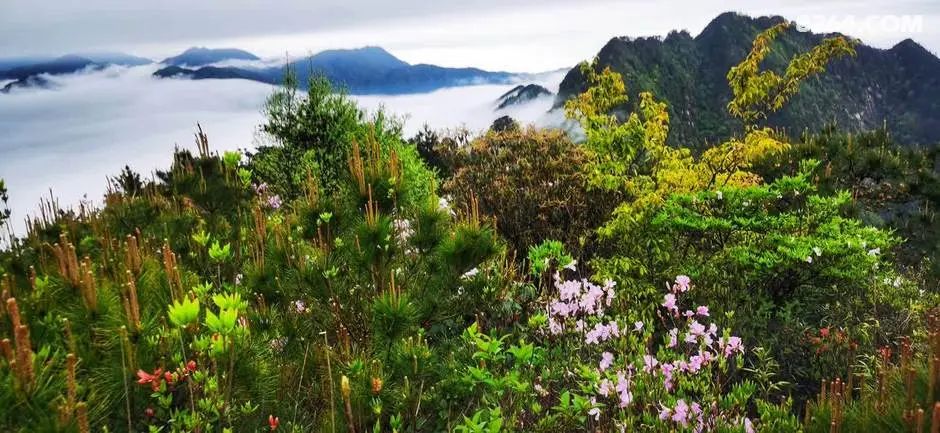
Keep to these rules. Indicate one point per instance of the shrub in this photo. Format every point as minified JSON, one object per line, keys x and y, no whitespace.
{"x":530,"y":182}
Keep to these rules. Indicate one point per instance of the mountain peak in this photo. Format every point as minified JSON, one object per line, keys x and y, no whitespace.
{"x":909,"y":46}
{"x":734,"y":22}
{"x":201,"y":56}
{"x":862,"y":92}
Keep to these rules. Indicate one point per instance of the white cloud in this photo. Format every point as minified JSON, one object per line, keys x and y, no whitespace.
{"x":71,"y":138}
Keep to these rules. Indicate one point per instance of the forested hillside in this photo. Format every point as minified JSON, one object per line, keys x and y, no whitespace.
{"x":897,"y":87}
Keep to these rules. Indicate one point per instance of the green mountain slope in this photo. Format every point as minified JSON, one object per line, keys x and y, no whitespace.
{"x":898,"y":87}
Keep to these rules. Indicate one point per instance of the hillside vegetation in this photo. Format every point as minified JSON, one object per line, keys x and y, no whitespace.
{"x":342,"y":278}
{"x":897,"y":87}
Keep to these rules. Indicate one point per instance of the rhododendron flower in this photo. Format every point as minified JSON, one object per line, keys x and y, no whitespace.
{"x":626,"y":398}
{"x":274,"y":201}
{"x":638,"y":326}
{"x":605,"y":387}
{"x":680,"y":413}
{"x":669,"y":303}
{"x":554,"y":327}
{"x":748,"y":426}
{"x":273,"y":422}
{"x":682,"y":283}
{"x":695,"y":363}
{"x":702,"y":310}
{"x":595,"y":411}
{"x":695,"y":330}
{"x":602,"y":332}
{"x":664,"y":413}
{"x":607,"y":359}
{"x":733,"y":345}
{"x":667,"y":368}
{"x":673,"y":337}
{"x":145,"y":378}
{"x":649,"y":363}
{"x":559,"y":308}
{"x":623,"y":388}
{"x":609,"y":290}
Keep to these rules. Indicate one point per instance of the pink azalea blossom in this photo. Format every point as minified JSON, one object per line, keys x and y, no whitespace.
{"x":664,"y":413}
{"x":607,"y":359}
{"x":732,"y":345}
{"x":669,"y":303}
{"x":605,"y":388}
{"x":667,"y":369}
{"x":695,"y":363}
{"x":673,"y":338}
{"x":682,"y":284}
{"x":595,"y":410}
{"x":680,"y":413}
{"x":649,"y":363}
{"x":623,"y":388}
{"x":702,"y":310}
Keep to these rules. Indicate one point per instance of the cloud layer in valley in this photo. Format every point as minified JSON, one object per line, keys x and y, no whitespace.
{"x":71,"y":138}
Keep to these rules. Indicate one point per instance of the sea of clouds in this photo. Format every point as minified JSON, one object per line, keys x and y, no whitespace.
{"x":69,"y":139}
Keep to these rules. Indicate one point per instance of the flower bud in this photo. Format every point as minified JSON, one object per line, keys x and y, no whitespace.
{"x":344,"y":386}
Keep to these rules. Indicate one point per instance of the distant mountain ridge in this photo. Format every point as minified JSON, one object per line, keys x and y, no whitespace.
{"x":521,"y":94}
{"x":366,"y":70}
{"x":899,"y":87}
{"x":201,"y":56}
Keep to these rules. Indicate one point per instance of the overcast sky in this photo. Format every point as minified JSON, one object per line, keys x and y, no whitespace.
{"x":514,"y":35}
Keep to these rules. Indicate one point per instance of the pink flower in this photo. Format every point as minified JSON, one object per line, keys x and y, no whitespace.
{"x":667,"y":368}
{"x":614,"y":328}
{"x":638,"y":326}
{"x":607,"y":359}
{"x":682,"y":284}
{"x":664,"y":413}
{"x":623,"y":388}
{"x":695,"y":363}
{"x":733,"y":345}
{"x":702,"y":310}
{"x":559,"y":308}
{"x":680,"y":413}
{"x":669,"y":303}
{"x":673,"y":338}
{"x":649,"y":363}
{"x":626,"y":398}
{"x":748,"y":426}
{"x":553,"y":326}
{"x":595,"y":410}
{"x":605,"y":388}
{"x":695,"y":330}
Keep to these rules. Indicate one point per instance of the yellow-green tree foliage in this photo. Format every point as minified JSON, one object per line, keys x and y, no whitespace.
{"x":632,"y":157}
